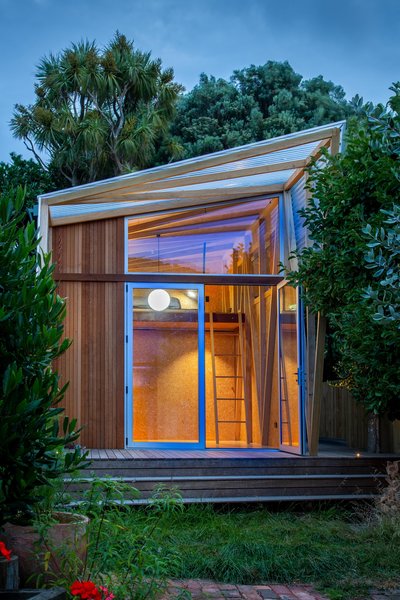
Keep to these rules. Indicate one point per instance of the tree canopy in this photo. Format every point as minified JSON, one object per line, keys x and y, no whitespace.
{"x":350,"y":272}
{"x":258,"y":102}
{"x":98,"y":112}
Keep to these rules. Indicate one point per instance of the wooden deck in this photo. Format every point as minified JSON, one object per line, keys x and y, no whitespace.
{"x":241,"y":475}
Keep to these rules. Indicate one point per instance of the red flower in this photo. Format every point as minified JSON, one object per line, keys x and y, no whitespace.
{"x":106,"y":593}
{"x":4,"y":551}
{"x":85,"y":590}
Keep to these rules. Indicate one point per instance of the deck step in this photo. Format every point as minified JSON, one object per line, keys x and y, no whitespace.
{"x":259,"y":479}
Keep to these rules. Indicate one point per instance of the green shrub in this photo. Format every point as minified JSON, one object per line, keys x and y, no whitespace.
{"x":32,"y":450}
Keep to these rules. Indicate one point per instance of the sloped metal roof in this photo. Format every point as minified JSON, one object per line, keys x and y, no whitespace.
{"x":248,"y":171}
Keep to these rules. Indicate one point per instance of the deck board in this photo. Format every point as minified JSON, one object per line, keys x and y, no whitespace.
{"x":241,"y":475}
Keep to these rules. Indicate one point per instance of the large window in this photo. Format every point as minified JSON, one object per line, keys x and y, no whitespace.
{"x":221,"y":239}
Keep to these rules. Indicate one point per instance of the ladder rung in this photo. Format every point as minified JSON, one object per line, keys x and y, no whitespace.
{"x":227,"y":355}
{"x":229,"y":398}
{"x":231,"y":421}
{"x":229,"y":376}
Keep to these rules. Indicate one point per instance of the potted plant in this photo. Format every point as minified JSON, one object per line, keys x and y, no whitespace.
{"x":34,"y":435}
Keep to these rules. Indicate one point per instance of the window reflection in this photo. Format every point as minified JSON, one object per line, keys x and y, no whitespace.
{"x":240,"y":238}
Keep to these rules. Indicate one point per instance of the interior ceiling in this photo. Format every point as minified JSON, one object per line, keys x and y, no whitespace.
{"x":268,"y":167}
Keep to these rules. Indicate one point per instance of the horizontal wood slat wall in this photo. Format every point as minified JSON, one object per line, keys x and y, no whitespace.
{"x":94,"y":364}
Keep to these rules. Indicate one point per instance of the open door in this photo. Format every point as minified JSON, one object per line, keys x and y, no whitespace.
{"x":165,"y":366}
{"x":291,"y":379}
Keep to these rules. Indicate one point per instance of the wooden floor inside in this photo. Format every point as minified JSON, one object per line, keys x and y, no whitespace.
{"x":240,"y":475}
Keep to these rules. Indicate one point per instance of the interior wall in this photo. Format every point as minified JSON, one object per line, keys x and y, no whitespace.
{"x":165,"y":385}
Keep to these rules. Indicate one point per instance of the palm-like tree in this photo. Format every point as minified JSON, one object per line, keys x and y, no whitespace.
{"x":97,"y":113}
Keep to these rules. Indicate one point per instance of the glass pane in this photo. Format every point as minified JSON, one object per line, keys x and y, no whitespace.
{"x":239,"y":238}
{"x":290,"y":413}
{"x":165,"y":365}
{"x":241,"y":365}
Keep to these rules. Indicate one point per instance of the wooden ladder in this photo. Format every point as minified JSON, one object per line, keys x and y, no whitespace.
{"x":238,"y":357}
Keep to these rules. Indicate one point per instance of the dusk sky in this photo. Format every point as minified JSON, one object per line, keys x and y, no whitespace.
{"x":355,"y":43}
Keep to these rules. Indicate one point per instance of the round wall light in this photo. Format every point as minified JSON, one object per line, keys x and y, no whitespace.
{"x":159,"y":299}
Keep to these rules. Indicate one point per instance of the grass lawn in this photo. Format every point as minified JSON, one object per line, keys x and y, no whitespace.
{"x":341,"y":552}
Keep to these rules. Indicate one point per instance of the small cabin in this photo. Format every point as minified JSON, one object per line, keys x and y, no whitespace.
{"x":186,"y":335}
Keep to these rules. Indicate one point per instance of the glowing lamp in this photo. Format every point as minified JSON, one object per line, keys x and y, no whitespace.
{"x":158,"y":300}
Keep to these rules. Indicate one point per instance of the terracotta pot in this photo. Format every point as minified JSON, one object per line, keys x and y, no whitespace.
{"x":44,"y":557}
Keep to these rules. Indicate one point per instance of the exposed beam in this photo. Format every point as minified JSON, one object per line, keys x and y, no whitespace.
{"x":299,"y":173}
{"x":200,"y":219}
{"x":269,"y":367}
{"x":218,"y":176}
{"x":248,"y":280}
{"x":144,"y":223}
{"x":206,"y":214}
{"x":140,"y":208}
{"x":176,"y":231}
{"x":172,"y":170}
{"x":226,"y":192}
{"x":315,"y":409}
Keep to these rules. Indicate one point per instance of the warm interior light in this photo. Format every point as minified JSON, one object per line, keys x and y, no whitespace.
{"x":159,"y":299}
{"x":192,"y":293}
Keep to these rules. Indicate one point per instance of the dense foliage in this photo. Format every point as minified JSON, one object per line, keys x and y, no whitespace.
{"x":31,"y":326}
{"x":351,"y":194}
{"x":101,"y":113}
{"x":384,"y":259}
{"x":258,"y":102}
{"x":97,"y":113}
{"x":29,"y":174}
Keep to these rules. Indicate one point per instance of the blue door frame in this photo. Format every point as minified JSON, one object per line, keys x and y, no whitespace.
{"x":129,"y":400}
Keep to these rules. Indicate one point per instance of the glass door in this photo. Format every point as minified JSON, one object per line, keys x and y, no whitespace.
{"x":165,"y":366}
{"x":291,"y":384}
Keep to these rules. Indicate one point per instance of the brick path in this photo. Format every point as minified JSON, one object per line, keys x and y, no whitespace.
{"x":201,"y":589}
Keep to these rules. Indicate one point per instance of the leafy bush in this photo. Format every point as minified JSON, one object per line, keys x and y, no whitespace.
{"x":32,"y":453}
{"x":126,"y":561}
{"x":351,"y":192}
{"x":384,"y":259}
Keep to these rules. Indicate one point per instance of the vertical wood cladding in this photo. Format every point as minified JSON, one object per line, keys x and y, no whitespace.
{"x":91,"y":248}
{"x":94,"y":363}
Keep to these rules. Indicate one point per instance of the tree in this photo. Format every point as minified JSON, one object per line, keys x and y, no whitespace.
{"x":31,"y":327}
{"x":258,"y":102}
{"x":215,"y":115}
{"x":97,"y":113}
{"x":29,"y":174}
{"x":351,"y":194}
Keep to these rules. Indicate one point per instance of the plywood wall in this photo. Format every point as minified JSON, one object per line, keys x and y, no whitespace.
{"x":94,"y":364}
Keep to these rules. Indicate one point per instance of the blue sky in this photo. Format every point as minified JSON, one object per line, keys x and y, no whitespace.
{"x":355,"y":43}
